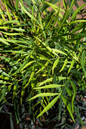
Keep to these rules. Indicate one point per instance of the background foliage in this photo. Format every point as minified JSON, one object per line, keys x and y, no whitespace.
{"x":43,"y":63}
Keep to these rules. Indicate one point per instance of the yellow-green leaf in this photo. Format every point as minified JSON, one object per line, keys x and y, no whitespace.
{"x":49,"y":105}
{"x":27,"y":12}
{"x":45,"y":81}
{"x":77,"y":10}
{"x":43,"y":95}
{"x":71,"y":65}
{"x":65,"y":62}
{"x":29,"y":63}
{"x":59,"y":51}
{"x":49,"y":86}
{"x":55,"y":64}
{"x":70,"y":111}
{"x":74,"y":94}
{"x":4,"y":41}
{"x":83,"y":57}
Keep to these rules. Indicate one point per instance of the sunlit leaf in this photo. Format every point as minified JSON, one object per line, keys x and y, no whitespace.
{"x":71,"y":65}
{"x":83,"y":57}
{"x":55,"y":64}
{"x":49,"y":105}
{"x":43,"y":95}
{"x":49,"y":86}
{"x":65,"y":62}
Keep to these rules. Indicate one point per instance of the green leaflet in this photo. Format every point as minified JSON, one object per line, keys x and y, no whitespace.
{"x":68,"y":107}
{"x":15,"y":90}
{"x":4,"y":90}
{"x":62,"y":78}
{"x":66,"y":15}
{"x":33,"y":1}
{"x":71,"y":65}
{"x":48,"y":48}
{"x":2,"y":82}
{"x":74,"y":94}
{"x":11,"y":34}
{"x":64,"y":99}
{"x":56,"y":9}
{"x":83,"y":58}
{"x":4,"y":27}
{"x":10,"y":22}
{"x":17,"y":41}
{"x":43,"y":95}
{"x":78,"y":27}
{"x":18,"y":29}
{"x":54,"y":6}
{"x":49,"y":105}
{"x":55,"y":64}
{"x":65,"y":4}
{"x":13,"y":52}
{"x":41,"y":24}
{"x":22,"y":65}
{"x":42,"y":57}
{"x":5,"y":74}
{"x":30,"y":79}
{"x":16,"y":5}
{"x":77,"y":10}
{"x":8,"y":13}
{"x":59,"y":51}
{"x":49,"y":86}
{"x":43,"y":67}
{"x":2,"y":14}
{"x":29,"y":63}
{"x":4,"y":41}
{"x":68,"y":91}
{"x":76,"y":21}
{"x":72,"y":3}
{"x":65,"y":62}
{"x":70,"y":112}
{"x":31,"y":16}
{"x":45,"y":81}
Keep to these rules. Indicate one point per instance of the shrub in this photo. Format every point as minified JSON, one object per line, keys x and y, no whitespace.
{"x":44,"y":62}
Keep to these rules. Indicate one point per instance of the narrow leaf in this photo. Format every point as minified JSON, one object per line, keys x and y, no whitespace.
{"x":29,"y":63}
{"x":55,"y":64}
{"x":49,"y":105}
{"x":77,"y":10}
{"x":16,"y":5}
{"x":11,"y":34}
{"x":74,"y":94}
{"x":71,"y":65}
{"x":45,"y":81}
{"x":59,"y":51}
{"x":2,"y":14}
{"x":65,"y":4}
{"x":70,"y":111}
{"x":8,"y":13}
{"x":83,"y":57}
{"x":65,"y":62}
{"x":54,"y":6}
{"x":31,"y":16}
{"x":4,"y":90}
{"x":49,"y":86}
{"x":4,"y":41}
{"x":43,"y":95}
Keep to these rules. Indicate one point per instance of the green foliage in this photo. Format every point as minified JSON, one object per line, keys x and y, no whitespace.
{"x":43,"y":57}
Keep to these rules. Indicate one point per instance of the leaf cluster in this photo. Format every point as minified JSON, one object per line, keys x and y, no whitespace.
{"x":43,"y":62}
